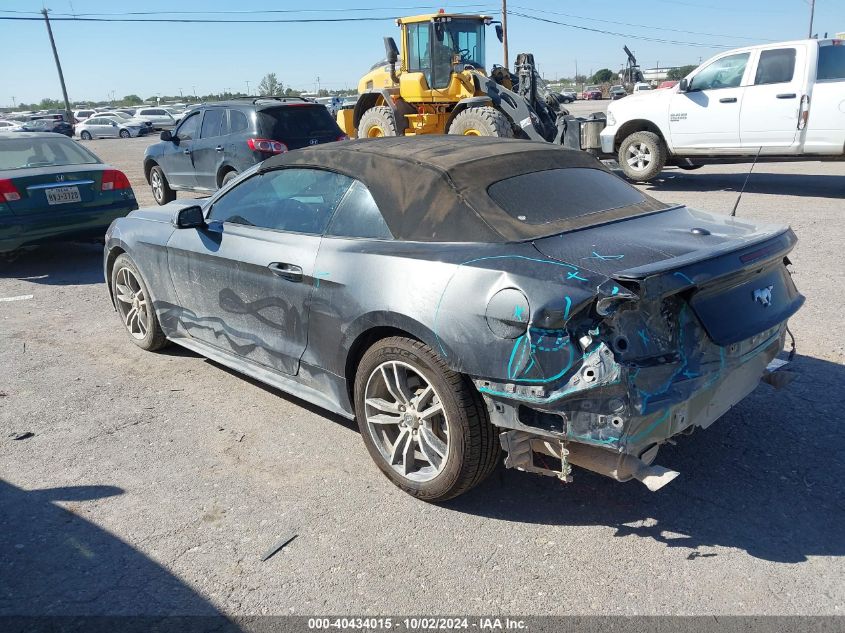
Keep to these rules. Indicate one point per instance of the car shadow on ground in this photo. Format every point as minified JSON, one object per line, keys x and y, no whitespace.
{"x":60,"y":264}
{"x":53,"y":563}
{"x":805,"y":185}
{"x":768,"y":478}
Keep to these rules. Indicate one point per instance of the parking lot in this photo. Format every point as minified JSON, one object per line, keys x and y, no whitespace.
{"x":154,"y":483}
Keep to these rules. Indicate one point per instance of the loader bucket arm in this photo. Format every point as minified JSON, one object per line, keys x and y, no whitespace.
{"x":512,"y":104}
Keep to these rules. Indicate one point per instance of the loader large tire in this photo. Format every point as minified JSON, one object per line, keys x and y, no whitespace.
{"x":377,"y":122}
{"x":481,"y":121}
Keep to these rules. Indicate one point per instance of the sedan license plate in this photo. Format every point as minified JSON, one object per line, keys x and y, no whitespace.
{"x":63,"y":195}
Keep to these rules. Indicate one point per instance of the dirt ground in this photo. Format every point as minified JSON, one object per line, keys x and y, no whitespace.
{"x":153,"y":483}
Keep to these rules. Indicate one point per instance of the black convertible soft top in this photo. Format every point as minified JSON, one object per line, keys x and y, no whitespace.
{"x":435,"y":188}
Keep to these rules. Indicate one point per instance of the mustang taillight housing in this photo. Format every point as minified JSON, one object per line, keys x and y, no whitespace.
{"x":8,"y":191}
{"x":266,"y":145}
{"x":114,"y":179}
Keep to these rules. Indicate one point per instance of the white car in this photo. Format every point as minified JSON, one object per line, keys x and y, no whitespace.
{"x":81,"y":115}
{"x":641,"y":86}
{"x":9,"y":126}
{"x":776,"y":102}
{"x":159,"y":117}
{"x":110,"y":127}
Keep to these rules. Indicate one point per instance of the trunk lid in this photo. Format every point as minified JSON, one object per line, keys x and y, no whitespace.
{"x":36,"y":188}
{"x":733,"y":272}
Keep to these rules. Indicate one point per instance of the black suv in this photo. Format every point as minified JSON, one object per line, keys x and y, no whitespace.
{"x":215,"y":142}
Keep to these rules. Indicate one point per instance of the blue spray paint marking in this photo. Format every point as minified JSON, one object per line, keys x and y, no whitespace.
{"x":603,"y":258}
{"x":523,"y":341}
{"x":480,"y":259}
{"x":644,"y":336}
{"x":684,"y":277}
{"x":574,"y":275}
{"x":317,"y":276}
{"x":568,"y":305}
{"x":615,"y":291}
{"x":517,"y":313}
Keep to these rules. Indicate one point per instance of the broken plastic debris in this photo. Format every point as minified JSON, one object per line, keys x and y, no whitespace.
{"x":279,"y":545}
{"x":23,"y":436}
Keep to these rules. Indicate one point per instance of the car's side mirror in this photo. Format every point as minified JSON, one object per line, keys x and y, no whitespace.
{"x":390,"y":50}
{"x":500,"y":33}
{"x":684,"y":85}
{"x":113,"y":124}
{"x":166,"y":135}
{"x":189,"y":218}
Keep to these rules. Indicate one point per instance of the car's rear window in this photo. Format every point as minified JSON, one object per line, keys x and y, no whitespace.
{"x":289,"y":122}
{"x":544,"y":197}
{"x":831,"y":62}
{"x":29,"y":152}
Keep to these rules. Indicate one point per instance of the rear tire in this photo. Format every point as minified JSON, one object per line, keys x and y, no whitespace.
{"x":377,"y":122}
{"x":442,"y":454}
{"x":162,"y":193}
{"x":228,"y":177}
{"x":135,"y":305}
{"x":481,"y":121}
{"x":85,"y":136}
{"x":642,"y":155}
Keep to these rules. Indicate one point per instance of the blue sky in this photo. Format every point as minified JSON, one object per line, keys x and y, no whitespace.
{"x":146,"y":59}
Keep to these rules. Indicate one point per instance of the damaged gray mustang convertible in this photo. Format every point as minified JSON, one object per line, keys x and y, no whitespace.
{"x":460,"y":296}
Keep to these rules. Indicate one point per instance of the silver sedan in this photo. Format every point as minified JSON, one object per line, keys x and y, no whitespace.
{"x":110,"y":126}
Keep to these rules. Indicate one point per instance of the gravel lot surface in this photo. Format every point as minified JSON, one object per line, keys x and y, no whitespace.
{"x":154,"y":482}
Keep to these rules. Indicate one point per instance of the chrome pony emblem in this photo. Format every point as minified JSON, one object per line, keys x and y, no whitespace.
{"x":60,"y":177}
{"x":764,"y":296}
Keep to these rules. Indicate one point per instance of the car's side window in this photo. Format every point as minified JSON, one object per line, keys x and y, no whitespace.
{"x":237,"y":121}
{"x":725,"y":72}
{"x":776,"y":66}
{"x":211,"y":122}
{"x":294,"y":200}
{"x":189,"y":128}
{"x":357,"y":215}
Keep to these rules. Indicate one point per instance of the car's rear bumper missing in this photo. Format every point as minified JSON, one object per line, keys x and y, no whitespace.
{"x":615,"y":424}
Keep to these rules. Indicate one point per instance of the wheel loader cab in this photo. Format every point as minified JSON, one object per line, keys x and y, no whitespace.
{"x":435,"y":46}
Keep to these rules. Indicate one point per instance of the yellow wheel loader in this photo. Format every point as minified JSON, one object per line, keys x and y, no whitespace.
{"x":441,"y":87}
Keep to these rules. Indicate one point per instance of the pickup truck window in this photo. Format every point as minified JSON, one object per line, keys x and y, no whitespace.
{"x":725,"y":72}
{"x":831,"y":63}
{"x":776,"y":66}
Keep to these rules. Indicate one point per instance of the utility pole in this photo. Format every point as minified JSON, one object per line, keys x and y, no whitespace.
{"x":505,"y":32}
{"x":14,"y":105}
{"x":247,"y":87}
{"x":58,"y":66}
{"x":812,"y":10}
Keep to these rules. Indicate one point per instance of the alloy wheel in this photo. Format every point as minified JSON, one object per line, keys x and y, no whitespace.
{"x":132,"y":303}
{"x":157,"y":185}
{"x":639,"y":156}
{"x":407,"y":421}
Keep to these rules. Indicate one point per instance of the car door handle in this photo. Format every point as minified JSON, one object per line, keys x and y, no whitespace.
{"x":727,"y":100}
{"x":219,"y":148}
{"x":286,"y":271}
{"x":786,"y":95}
{"x":186,"y":151}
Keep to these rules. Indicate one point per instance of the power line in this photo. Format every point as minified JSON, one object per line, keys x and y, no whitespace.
{"x":643,"y":26}
{"x":628,"y":35}
{"x":264,"y":11}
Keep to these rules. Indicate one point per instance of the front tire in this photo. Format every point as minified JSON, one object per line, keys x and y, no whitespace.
{"x":135,"y":306}
{"x":162,"y":193}
{"x":85,"y":135}
{"x":124,"y":134}
{"x":642,"y":155}
{"x":423,"y":424}
{"x":481,"y":121}
{"x":377,"y":122}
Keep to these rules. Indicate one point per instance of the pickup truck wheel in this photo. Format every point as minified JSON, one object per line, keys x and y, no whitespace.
{"x":481,"y":121}
{"x":642,"y":155}
{"x":161,"y":189}
{"x":377,"y":122}
{"x":423,"y":424}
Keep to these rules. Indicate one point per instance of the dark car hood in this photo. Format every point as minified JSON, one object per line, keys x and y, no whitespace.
{"x":671,"y":238}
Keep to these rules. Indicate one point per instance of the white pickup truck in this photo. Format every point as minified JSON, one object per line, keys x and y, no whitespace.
{"x":781,"y":101}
